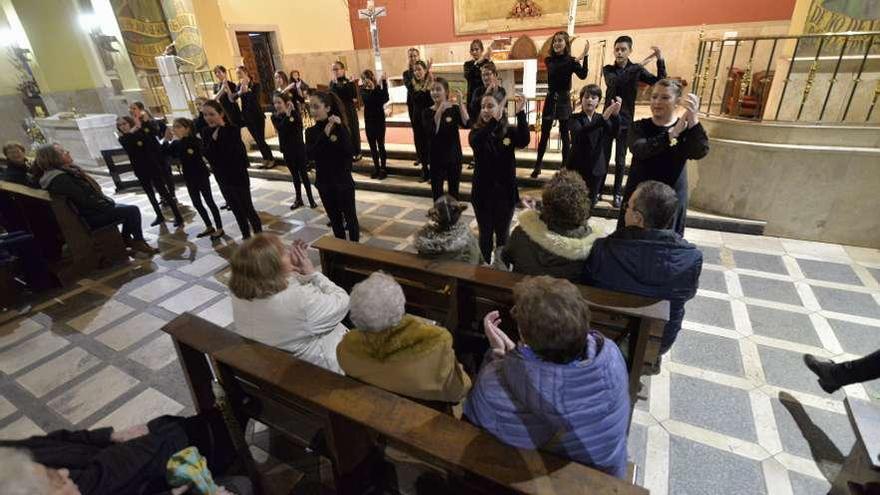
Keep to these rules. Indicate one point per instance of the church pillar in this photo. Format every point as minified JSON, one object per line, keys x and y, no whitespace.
{"x":185,"y":32}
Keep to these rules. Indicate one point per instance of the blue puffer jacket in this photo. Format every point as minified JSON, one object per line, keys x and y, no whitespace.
{"x":578,"y":410}
{"x":650,"y":263}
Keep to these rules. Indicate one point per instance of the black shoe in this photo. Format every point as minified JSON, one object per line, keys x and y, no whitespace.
{"x":208,"y":231}
{"x":312,"y":204}
{"x":383,"y":174}
{"x":822,"y":368}
{"x":424,"y":178}
{"x":329,"y":224}
{"x":536,"y":172}
{"x":416,"y":163}
{"x":375,"y":174}
{"x":157,"y":221}
{"x":617,"y":201}
{"x":297,"y":204}
{"x":471,"y":166}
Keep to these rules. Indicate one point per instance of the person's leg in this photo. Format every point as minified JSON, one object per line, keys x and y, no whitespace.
{"x":354,"y":125}
{"x":596,"y":183}
{"x":503,"y":216}
{"x":236,"y":205}
{"x":250,"y":212}
{"x":304,"y":176}
{"x":483,"y":214}
{"x":334,"y":212}
{"x":205,"y":188}
{"x":290,"y":162}
{"x":627,"y":192}
{"x":438,"y":175}
{"x":168,"y":177}
{"x":373,"y":141}
{"x":833,"y":376}
{"x":258,"y":131}
{"x":619,"y":162}
{"x":566,"y":139}
{"x":681,"y":190}
{"x":546,"y":126}
{"x":349,"y":211}
{"x":147,"y":186}
{"x":454,"y":179}
{"x":383,"y":155}
{"x":195,"y":196}
{"x":165,"y":193}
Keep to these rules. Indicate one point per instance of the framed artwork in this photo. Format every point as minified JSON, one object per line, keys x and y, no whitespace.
{"x":495,"y":16}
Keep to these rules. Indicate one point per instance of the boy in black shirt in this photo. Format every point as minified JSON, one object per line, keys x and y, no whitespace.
{"x":622,"y":80}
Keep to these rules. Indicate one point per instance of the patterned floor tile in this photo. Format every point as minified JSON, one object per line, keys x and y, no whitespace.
{"x":786,"y":369}
{"x":812,"y":433}
{"x":219,"y":313}
{"x":100,"y":317}
{"x":81,"y":401}
{"x":147,"y":405}
{"x":204,"y":265}
{"x":713,"y":280}
{"x":309,"y":234}
{"x":785,"y":325}
{"x":717,"y":468}
{"x":30,"y":351}
{"x":844,"y":301}
{"x":23,"y":427}
{"x":769,"y":290}
{"x":706,"y":351}
{"x":854,"y":337}
{"x":802,"y":484}
{"x":370,"y":224}
{"x":759,"y":262}
{"x":711,"y":254}
{"x":387,"y":211}
{"x":17,"y":330}
{"x":709,"y":311}
{"x":58,"y":371}
{"x":156,"y":354}
{"x":158,"y":288}
{"x":189,"y":299}
{"x":121,"y":336}
{"x":829,"y":272}
{"x":6,"y":408}
{"x":736,"y":422}
{"x":398,"y":229}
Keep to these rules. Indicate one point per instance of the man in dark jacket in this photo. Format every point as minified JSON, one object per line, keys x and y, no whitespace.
{"x":647,"y":258}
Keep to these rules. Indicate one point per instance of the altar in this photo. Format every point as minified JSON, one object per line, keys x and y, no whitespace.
{"x":83,"y":136}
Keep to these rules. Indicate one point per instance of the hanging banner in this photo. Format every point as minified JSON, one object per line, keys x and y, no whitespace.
{"x":144,"y":31}
{"x":185,"y":33}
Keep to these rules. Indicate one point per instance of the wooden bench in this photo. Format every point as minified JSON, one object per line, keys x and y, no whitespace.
{"x":117,"y":164}
{"x":458,"y":296}
{"x":72,"y":248}
{"x":358,"y":421}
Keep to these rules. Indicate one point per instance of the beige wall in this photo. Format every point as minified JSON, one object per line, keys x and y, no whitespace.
{"x":215,"y":39}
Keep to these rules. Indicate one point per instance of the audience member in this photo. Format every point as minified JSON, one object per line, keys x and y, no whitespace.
{"x":648,"y":258}
{"x":563,"y":388}
{"x":16,"y":164}
{"x":401,"y":353}
{"x":833,"y":375}
{"x":446,"y":237}
{"x":279,"y":299}
{"x":56,"y":173}
{"x":557,"y":239}
{"x":107,"y":462}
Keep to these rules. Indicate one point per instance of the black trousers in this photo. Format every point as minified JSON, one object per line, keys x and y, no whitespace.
{"x":152,"y":185}
{"x":546,"y":126}
{"x":198,"y":188}
{"x":450,"y":172}
{"x":354,"y":127}
{"x":296,"y":164}
{"x":493,"y":220}
{"x":857,"y":370}
{"x":681,"y":190}
{"x":238,"y":197}
{"x":423,"y":145}
{"x":165,"y":177}
{"x":619,"y":158}
{"x":376,"y":140}
{"x":129,"y":215}
{"x":340,"y":207}
{"x":257,"y":128}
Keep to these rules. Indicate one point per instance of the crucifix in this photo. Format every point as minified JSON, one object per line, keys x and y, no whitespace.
{"x":372,"y":14}
{"x":572,"y":13}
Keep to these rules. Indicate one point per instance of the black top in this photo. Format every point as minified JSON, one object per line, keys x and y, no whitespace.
{"x":156,"y":127}
{"x":227,"y":155}
{"x":290,"y":132}
{"x":200,"y":125}
{"x":624,"y":82}
{"x":143,"y":151}
{"x":295,"y":95}
{"x":332,"y":155}
{"x":476,"y":100}
{"x":588,"y":138}
{"x":559,"y":71}
{"x":17,"y":173}
{"x":374,"y":102}
{"x":444,"y":138}
{"x":189,"y":151}
{"x":346,"y":90}
{"x":86,"y":196}
{"x":494,"y":158}
{"x":230,"y":108}
{"x":408,"y":79}
{"x":251,"y":111}
{"x":653,"y":156}
{"x":421,"y":100}
{"x":473,"y":76}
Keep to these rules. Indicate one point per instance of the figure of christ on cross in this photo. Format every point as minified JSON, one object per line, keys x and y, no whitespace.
{"x":372,"y":14}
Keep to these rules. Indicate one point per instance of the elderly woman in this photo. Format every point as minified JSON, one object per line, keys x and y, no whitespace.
{"x":396,"y":351}
{"x":584,"y":415}
{"x":279,"y":299}
{"x":557,"y":239}
{"x":445,"y":237}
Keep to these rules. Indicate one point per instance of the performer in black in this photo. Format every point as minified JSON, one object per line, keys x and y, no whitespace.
{"x":494,"y":193}
{"x":146,"y":159}
{"x":408,"y":75}
{"x":228,"y":158}
{"x":421,"y":101}
{"x":223,"y":91}
{"x":156,"y":128}
{"x":289,"y":126}
{"x":346,"y":90}
{"x":560,"y":67}
{"x":375,"y":95}
{"x":248,"y":91}
{"x":589,"y":131}
{"x":328,"y":144}
{"x":473,"y":75}
{"x":662,"y":145}
{"x":622,"y":79}
{"x":443,"y":120}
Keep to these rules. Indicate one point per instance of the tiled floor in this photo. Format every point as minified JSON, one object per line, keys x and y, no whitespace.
{"x":733,"y":405}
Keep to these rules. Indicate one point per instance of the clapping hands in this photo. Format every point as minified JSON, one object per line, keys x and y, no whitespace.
{"x":299,"y":258}
{"x":691,"y":104}
{"x":499,"y":342}
{"x":519,"y":103}
{"x":613,"y":108}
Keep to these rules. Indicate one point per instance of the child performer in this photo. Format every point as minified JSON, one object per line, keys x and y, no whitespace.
{"x":589,"y":133}
{"x":443,"y":120}
{"x":375,"y":95}
{"x":289,"y":126}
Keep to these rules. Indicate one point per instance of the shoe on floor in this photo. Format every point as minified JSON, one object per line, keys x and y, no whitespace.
{"x":208,"y":231}
{"x":142,"y":247}
{"x":535,"y":173}
{"x":157,"y":221}
{"x":297,"y":204}
{"x":218,"y":233}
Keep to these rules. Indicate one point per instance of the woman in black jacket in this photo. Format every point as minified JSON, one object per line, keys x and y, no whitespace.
{"x":56,"y":173}
{"x":560,"y":67}
{"x":662,"y":144}
{"x":228,"y":158}
{"x":346,"y":90}
{"x":443,"y":120}
{"x":248,"y":91}
{"x":224,"y":90}
{"x":494,"y":193}
{"x":186,"y":147}
{"x":143,"y":150}
{"x":420,"y":95}
{"x":289,"y":126}
{"x":473,"y":75}
{"x":328,"y":144}
{"x":375,"y":95}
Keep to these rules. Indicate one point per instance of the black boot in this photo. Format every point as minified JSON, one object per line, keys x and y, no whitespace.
{"x":823,"y":368}
{"x":157,"y":221}
{"x":536,"y":171}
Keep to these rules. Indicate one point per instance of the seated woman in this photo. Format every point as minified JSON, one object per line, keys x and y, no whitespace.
{"x":557,"y":239}
{"x":279,"y":299}
{"x":584,"y":415}
{"x":54,"y":170}
{"x":396,"y":351}
{"x":445,"y":237}
{"x":16,"y":164}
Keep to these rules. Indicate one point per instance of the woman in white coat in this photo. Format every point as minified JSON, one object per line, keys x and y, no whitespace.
{"x":279,"y":299}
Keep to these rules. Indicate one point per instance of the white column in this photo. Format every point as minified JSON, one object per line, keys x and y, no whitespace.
{"x":174,"y":86}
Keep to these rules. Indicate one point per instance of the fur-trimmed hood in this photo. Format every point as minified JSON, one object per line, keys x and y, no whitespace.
{"x":575,"y":246}
{"x":411,"y":338}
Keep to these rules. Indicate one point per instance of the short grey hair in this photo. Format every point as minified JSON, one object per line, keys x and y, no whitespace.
{"x":377,"y":303}
{"x":18,"y":476}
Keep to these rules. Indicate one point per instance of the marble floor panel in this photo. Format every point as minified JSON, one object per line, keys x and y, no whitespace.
{"x":733,"y":405}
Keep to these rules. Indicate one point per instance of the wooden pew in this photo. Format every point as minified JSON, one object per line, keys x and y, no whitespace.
{"x":117,"y":163}
{"x":862,"y":465}
{"x":458,"y":295}
{"x":72,"y":248}
{"x":358,"y":420}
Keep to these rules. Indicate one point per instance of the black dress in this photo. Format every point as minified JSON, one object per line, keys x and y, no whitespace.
{"x":654,"y":158}
{"x":557,"y":106}
{"x":494,"y":193}
{"x":228,"y":158}
{"x":230,"y":107}
{"x":290,"y":138}
{"x":445,"y":149}
{"x":588,"y":148}
{"x":332,"y":156}
{"x":374,"y":121}
{"x":196,"y":174}
{"x":254,"y":118}
{"x":346,"y":90}
{"x":146,"y":160}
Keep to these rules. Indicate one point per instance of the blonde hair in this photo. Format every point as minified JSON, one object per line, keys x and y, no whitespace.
{"x":552,"y":316}
{"x":257,"y":271}
{"x":13,"y":144}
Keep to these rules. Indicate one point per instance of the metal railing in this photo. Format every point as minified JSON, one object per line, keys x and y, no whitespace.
{"x":828,"y":78}
{"x":195,"y":84}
